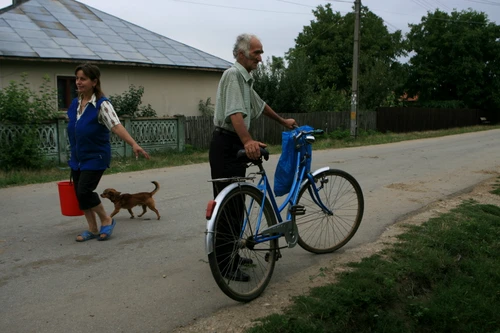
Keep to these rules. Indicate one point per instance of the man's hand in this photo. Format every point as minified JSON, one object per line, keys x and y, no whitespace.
{"x":290,"y":123}
{"x":252,"y":149}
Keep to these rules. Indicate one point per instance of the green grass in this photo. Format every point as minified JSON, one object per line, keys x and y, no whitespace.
{"x":443,"y":276}
{"x":336,"y":139}
{"x":55,"y":173}
{"x":496,"y":187}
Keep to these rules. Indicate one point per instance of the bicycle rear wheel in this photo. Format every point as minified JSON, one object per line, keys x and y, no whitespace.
{"x":234,"y":246}
{"x":324,"y":232}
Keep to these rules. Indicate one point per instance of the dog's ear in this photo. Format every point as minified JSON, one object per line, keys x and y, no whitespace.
{"x":113,"y":194}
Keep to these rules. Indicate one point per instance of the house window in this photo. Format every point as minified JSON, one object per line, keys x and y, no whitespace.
{"x":66,"y":91}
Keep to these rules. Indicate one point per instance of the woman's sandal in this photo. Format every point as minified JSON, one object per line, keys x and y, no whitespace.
{"x":86,"y":235}
{"x":106,"y":230}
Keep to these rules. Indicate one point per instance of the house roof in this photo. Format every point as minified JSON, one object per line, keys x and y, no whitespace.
{"x":69,"y":30}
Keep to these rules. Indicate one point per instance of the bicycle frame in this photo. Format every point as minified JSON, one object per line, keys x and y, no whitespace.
{"x":320,"y":211}
{"x":283,"y":227}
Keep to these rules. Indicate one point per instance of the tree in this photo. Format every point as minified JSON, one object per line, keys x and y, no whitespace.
{"x":327,"y":45}
{"x":268,"y":77}
{"x":455,"y":59}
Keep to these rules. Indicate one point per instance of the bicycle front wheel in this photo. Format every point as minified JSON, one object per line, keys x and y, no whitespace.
{"x":242,"y":266}
{"x":327,"y":230}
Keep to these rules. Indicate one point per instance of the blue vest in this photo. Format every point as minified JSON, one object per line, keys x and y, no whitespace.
{"x":89,"y":141}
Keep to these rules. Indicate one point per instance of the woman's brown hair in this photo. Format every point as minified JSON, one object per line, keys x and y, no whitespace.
{"x":93,"y":73}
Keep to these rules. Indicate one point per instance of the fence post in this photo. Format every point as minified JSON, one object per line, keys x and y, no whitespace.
{"x":181,"y":132}
{"x":61,"y":140}
{"x":127,"y":123}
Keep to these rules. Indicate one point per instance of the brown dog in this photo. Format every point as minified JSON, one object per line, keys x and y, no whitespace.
{"x":128,"y":201}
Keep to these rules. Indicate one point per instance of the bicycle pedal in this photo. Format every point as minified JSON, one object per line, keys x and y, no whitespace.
{"x":277,"y":256}
{"x":297,"y":210}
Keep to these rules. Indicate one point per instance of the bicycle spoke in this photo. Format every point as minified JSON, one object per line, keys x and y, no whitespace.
{"x":237,"y":223}
{"x":320,"y":232}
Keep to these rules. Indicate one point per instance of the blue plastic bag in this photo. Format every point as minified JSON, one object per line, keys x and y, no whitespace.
{"x":285,"y":169}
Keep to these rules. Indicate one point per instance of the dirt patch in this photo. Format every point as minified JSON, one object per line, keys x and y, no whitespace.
{"x":410,"y":187}
{"x":236,"y":319}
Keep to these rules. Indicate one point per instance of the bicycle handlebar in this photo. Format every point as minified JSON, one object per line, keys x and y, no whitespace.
{"x":314,"y":131}
{"x":242,"y":155}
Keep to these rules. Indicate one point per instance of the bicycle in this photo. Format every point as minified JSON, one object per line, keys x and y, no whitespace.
{"x":324,"y":211}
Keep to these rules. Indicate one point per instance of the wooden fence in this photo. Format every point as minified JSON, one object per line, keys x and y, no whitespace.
{"x":199,"y":129}
{"x":409,"y":119}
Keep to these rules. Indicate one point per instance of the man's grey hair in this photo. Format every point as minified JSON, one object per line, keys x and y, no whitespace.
{"x":243,"y":44}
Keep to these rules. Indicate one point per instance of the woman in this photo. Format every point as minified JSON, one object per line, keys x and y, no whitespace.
{"x":91,"y":118}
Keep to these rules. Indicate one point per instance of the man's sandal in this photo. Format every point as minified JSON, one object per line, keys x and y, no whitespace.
{"x":86,"y":235}
{"x":106,"y":230}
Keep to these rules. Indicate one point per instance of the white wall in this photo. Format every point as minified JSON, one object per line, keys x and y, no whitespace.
{"x":169,"y":91}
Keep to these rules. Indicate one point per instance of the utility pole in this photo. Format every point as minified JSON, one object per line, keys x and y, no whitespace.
{"x":355,"y":66}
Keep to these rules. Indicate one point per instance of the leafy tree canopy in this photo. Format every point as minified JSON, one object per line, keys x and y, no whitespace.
{"x":319,"y":72}
{"x":455,"y":58}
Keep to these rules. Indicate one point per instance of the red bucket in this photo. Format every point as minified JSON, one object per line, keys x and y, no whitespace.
{"x":68,"y":200}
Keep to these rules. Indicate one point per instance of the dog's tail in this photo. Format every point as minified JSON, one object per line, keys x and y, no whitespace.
{"x":157,"y":187}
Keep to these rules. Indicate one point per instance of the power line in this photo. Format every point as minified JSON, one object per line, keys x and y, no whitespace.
{"x":299,"y":4}
{"x":442,"y":5}
{"x":485,"y":2}
{"x":418,"y":3}
{"x":392,"y":25}
{"x":295,"y":3}
{"x":428,"y":3}
{"x":240,"y":8}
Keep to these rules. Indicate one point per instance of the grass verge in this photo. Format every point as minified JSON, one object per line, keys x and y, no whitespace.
{"x":332,"y":140}
{"x":55,"y":173}
{"x":443,"y":276}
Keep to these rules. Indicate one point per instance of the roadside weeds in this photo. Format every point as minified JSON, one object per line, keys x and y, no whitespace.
{"x":280,"y":298}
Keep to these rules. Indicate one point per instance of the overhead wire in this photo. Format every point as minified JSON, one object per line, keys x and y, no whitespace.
{"x":485,"y":2}
{"x":240,"y":8}
{"x":443,"y":5}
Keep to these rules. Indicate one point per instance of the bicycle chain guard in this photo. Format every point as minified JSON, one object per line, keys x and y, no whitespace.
{"x":292,"y":235}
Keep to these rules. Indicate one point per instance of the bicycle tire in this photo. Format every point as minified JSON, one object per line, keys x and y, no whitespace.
{"x":263,"y":254}
{"x":320,"y":232}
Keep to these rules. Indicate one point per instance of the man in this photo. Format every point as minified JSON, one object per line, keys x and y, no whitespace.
{"x":235,"y":106}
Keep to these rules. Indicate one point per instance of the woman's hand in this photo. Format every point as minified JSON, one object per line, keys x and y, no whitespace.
{"x":138,"y":150}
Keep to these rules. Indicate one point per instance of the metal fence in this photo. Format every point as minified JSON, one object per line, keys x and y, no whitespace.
{"x":152,"y":134}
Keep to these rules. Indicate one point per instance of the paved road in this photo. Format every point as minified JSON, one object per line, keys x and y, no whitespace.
{"x":153,"y":276}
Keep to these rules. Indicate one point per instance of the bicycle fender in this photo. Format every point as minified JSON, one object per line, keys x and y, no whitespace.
{"x":315,"y":172}
{"x":209,"y":233}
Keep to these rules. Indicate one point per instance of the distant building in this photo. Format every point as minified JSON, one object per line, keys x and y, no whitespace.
{"x":52,"y":37}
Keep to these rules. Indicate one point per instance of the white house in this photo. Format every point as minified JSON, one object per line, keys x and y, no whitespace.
{"x":51,"y":37}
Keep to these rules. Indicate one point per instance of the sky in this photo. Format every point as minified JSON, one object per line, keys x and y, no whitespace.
{"x":212,"y":25}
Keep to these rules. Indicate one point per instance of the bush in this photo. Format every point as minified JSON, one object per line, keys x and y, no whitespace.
{"x":128,"y":103}
{"x":340,"y":134}
{"x":25,"y":108}
{"x":206,"y":108}
{"x":20,"y":104}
